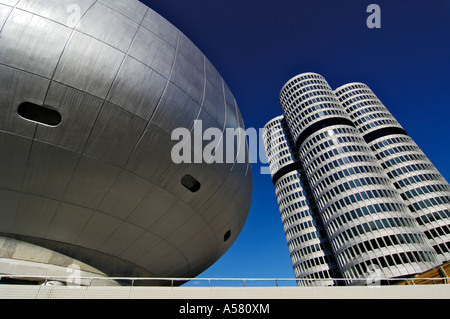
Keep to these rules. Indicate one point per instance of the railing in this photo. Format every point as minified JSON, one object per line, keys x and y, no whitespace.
{"x":214,"y":282}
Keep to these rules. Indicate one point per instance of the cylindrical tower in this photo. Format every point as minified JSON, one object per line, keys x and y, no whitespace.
{"x":364,"y":216}
{"x":311,"y":255}
{"x":422,"y":187}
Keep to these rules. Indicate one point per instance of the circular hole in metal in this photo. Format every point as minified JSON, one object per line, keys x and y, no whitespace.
{"x":190,"y":183}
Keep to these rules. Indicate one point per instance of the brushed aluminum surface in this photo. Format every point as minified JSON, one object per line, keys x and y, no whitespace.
{"x":101,"y":187}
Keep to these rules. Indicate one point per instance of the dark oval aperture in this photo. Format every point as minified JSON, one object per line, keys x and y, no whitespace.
{"x":39,"y":114}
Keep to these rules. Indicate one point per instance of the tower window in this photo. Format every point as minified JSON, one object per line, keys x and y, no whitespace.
{"x":190,"y":183}
{"x":39,"y":114}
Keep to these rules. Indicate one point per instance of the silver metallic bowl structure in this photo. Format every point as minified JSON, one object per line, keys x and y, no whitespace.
{"x":90,"y":92}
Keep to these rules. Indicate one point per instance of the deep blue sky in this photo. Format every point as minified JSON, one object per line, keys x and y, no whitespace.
{"x":257,"y":46}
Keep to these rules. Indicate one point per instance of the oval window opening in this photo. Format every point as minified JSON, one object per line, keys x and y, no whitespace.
{"x":227,"y":235}
{"x":190,"y":183}
{"x":39,"y":114}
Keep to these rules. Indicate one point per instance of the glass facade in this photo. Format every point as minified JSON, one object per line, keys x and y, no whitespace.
{"x":309,"y":248}
{"x":364,"y":215}
{"x":423,"y":189}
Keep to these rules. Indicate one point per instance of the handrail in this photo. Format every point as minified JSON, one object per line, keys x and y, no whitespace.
{"x":244,"y":281}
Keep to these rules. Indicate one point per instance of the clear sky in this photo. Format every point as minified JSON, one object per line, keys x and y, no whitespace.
{"x":257,"y":46}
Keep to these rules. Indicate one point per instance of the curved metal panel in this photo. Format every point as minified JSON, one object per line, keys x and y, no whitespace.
{"x":192,"y":53}
{"x":4,"y":13}
{"x":13,"y":162}
{"x":154,"y":52}
{"x":175,"y":110}
{"x":161,"y":27}
{"x":61,"y":11}
{"x":152,"y":154}
{"x":213,"y":75}
{"x":68,"y":222}
{"x":214,"y":103}
{"x":88,"y":65}
{"x":35,"y":214}
{"x":122,"y":237}
{"x":32,"y":43}
{"x":90,"y":182}
{"x":158,"y":201}
{"x":127,"y":191}
{"x":79,"y":111}
{"x":132,"y":9}
{"x":17,"y":87}
{"x":114,"y":135}
{"x":9,"y":2}
{"x":97,"y":23}
{"x":137,"y":88}
{"x":97,"y":230}
{"x":188,"y":78}
{"x":231,"y":115}
{"x":49,"y":169}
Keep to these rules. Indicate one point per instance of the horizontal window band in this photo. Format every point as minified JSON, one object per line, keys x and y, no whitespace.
{"x":372,"y":136}
{"x":286,"y":169}
{"x":320,"y":125}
